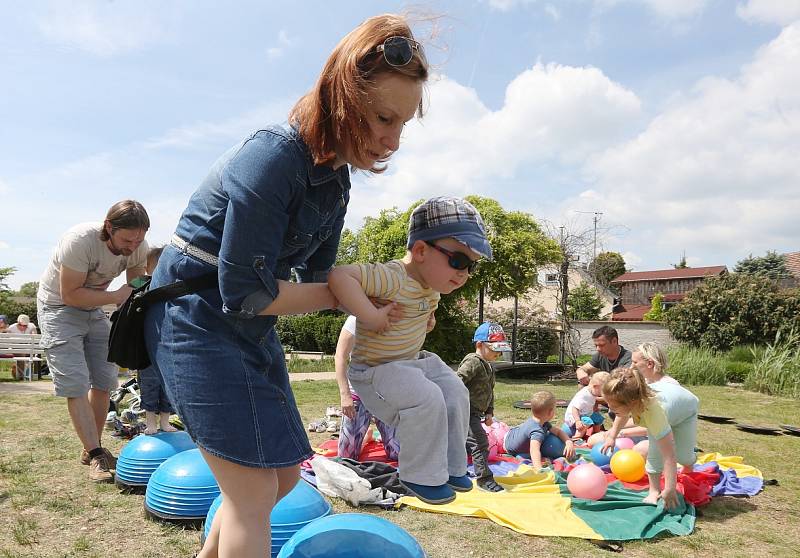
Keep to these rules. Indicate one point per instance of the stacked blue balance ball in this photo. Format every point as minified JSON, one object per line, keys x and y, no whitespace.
{"x":352,"y":535}
{"x":141,"y":456}
{"x":182,"y":488}
{"x":294,"y":511}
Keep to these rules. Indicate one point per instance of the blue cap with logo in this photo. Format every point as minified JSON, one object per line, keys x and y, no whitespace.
{"x":493,"y":335}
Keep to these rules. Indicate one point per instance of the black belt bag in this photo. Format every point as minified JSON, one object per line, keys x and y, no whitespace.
{"x":126,"y":346}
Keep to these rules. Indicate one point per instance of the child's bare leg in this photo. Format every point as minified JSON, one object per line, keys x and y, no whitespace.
{"x":655,"y":488}
{"x":164,"y":423}
{"x":150,"y":423}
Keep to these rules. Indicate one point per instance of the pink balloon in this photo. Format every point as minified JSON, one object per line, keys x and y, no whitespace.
{"x":624,"y":443}
{"x":587,"y":481}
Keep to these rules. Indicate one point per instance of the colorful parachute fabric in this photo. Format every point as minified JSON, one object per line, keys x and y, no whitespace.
{"x":539,"y":503}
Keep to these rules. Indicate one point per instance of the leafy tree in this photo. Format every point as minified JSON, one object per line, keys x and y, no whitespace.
{"x":734,"y":309}
{"x":9,"y":305}
{"x":5,"y":273}
{"x":536,"y":339}
{"x":606,"y":267}
{"x":772,"y":265}
{"x":584,"y":303}
{"x":656,"y":312}
{"x":29,"y":289}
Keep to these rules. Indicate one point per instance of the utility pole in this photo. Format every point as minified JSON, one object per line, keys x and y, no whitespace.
{"x":595,"y":219}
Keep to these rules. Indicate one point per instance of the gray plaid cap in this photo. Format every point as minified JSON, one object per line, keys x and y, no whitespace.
{"x":446,"y":216}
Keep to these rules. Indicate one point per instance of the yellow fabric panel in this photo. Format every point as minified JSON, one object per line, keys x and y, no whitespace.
{"x":532,"y":504}
{"x":734,"y":462}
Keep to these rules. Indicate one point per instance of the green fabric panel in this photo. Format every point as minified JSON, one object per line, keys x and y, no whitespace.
{"x":621,"y":515}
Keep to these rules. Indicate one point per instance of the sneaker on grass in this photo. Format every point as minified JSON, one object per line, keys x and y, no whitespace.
{"x":112,"y":461}
{"x":100,"y":470}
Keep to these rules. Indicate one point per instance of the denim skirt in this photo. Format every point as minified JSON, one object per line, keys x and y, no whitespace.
{"x":225,"y":376}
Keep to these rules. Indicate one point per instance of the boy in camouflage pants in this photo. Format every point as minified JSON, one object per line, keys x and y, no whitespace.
{"x":476,"y":372}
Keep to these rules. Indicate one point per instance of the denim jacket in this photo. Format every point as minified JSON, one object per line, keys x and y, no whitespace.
{"x":265,"y":209}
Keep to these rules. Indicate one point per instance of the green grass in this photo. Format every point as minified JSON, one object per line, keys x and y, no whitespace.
{"x":777,"y":369}
{"x":51,"y":510}
{"x":696,"y":366}
{"x":326,"y":364}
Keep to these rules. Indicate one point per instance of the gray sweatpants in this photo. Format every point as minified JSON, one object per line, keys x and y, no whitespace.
{"x":429,"y":407}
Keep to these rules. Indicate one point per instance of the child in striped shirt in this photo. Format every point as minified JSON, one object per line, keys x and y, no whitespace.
{"x":404,"y":386}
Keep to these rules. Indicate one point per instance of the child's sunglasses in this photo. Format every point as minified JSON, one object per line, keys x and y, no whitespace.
{"x":398,"y":51}
{"x":457,"y":260}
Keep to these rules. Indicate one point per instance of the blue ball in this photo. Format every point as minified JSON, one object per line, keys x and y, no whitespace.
{"x":552,"y":447}
{"x":599,"y":458}
{"x":352,"y":535}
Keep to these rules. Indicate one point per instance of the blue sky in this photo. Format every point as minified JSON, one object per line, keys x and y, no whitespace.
{"x":679,"y":120}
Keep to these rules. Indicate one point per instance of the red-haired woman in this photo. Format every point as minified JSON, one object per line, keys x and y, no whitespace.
{"x":273,"y":203}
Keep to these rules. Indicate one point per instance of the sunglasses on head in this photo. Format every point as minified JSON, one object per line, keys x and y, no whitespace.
{"x":457,"y":260}
{"x":398,"y":51}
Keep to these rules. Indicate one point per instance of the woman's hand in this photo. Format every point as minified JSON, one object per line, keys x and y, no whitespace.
{"x":348,"y":409}
{"x":487,"y":419}
{"x":379,"y":320}
{"x":396,"y":312}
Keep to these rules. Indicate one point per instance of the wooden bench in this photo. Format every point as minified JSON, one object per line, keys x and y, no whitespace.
{"x":26,"y":349}
{"x":305,"y":355}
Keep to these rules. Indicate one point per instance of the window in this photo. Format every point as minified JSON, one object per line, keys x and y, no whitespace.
{"x":551,"y":278}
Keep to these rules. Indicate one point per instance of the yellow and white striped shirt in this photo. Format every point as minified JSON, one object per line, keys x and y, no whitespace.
{"x":404,"y":339}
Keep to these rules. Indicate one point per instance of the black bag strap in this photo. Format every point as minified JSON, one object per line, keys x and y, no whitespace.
{"x":179,"y":288}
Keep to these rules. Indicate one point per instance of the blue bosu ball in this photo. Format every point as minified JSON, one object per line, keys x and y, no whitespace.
{"x":141,"y":456}
{"x":552,"y":447}
{"x":181,"y":488}
{"x":352,"y":535}
{"x":599,"y":458}
{"x":301,"y":506}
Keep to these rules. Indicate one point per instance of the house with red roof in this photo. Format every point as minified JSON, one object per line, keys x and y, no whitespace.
{"x":637,"y":288}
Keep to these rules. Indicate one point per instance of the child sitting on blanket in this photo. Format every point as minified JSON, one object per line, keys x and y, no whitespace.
{"x":529,"y":436}
{"x":582,"y":418}
{"x":669,"y":412}
{"x":407,"y":388}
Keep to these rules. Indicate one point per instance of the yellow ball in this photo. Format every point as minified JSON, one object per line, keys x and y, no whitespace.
{"x":627,"y":465}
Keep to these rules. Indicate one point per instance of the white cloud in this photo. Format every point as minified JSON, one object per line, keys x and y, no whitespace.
{"x":668,"y":9}
{"x":552,"y":11}
{"x":778,"y":12}
{"x":283,"y":41}
{"x":717,"y":172}
{"x":508,"y":5}
{"x":552,"y":115}
{"x":105,"y":28}
{"x":204,"y":134}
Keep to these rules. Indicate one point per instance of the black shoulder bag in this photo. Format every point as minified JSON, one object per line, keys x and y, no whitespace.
{"x":126,"y":346}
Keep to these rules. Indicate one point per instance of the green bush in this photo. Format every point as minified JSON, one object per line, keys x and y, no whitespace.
{"x":776,"y":371}
{"x":736,"y":371}
{"x":535,"y":338}
{"x":741,"y":353}
{"x":736,"y":309}
{"x":318,"y":332}
{"x":581,"y":360}
{"x":696,"y":366}
{"x":325,"y":364}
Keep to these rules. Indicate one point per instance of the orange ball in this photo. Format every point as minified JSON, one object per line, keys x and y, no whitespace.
{"x":627,"y":465}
